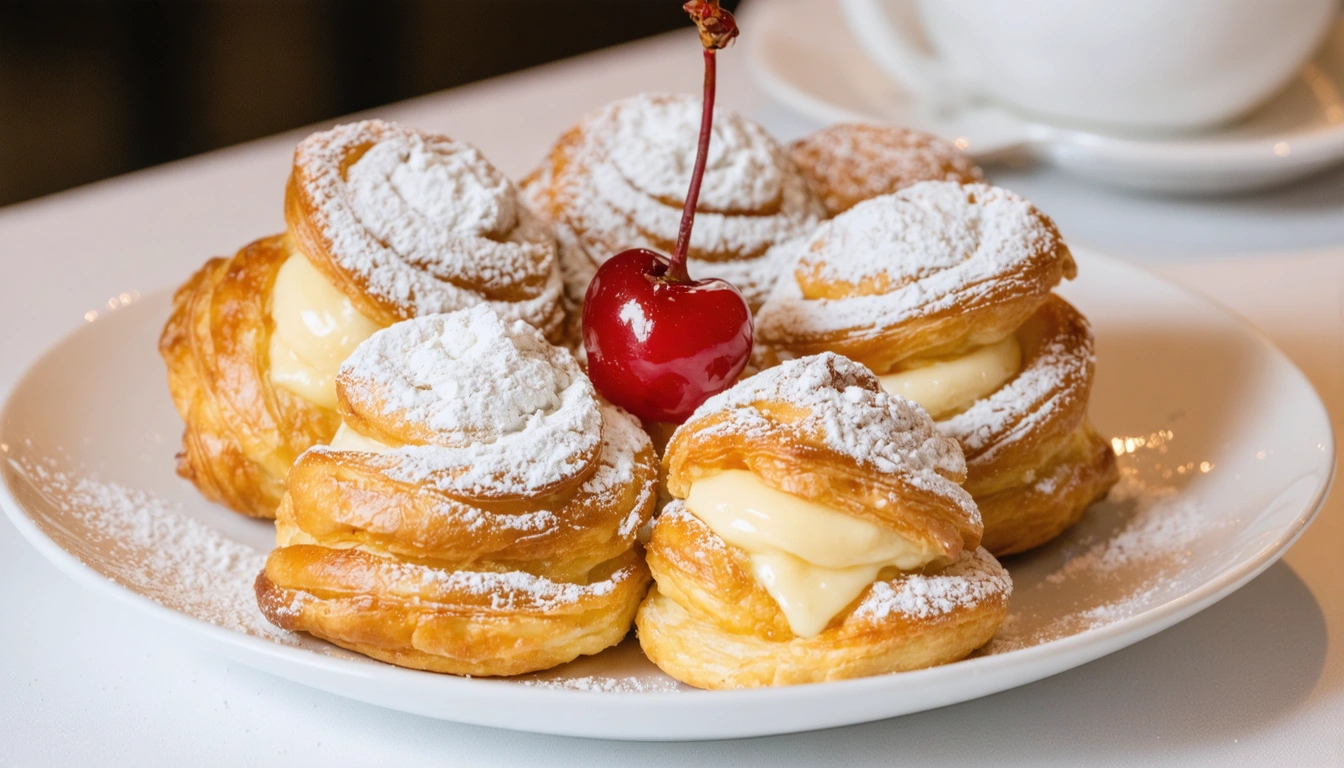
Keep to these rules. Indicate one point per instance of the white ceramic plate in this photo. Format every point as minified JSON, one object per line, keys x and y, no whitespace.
{"x":803,"y":55}
{"x":1226,"y":450}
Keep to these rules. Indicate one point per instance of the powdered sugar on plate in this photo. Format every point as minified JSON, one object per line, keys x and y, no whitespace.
{"x":147,"y":545}
{"x":605,"y":684}
{"x":1163,"y":524}
{"x":1116,"y":565}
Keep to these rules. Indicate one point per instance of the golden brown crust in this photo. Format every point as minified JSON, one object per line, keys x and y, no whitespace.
{"x":356,"y":499}
{"x":475,"y":540}
{"x":242,"y":434}
{"x":398,"y":265}
{"x":789,"y":451}
{"x":414,"y":576}
{"x":1034,"y":461}
{"x":886,"y":316}
{"x":461,"y":623}
{"x":821,"y":429}
{"x":852,"y":162}
{"x":708,"y":623}
{"x":1047,"y":499}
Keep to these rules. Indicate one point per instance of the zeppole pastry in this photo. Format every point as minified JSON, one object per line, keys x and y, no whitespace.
{"x":944,"y":290}
{"x":476,"y":512}
{"x":384,"y":223}
{"x":852,"y":162}
{"x":819,"y":532}
{"x":618,"y":180}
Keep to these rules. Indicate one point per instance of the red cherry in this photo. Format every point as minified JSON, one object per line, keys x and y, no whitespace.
{"x":659,"y":347}
{"x":659,"y":343}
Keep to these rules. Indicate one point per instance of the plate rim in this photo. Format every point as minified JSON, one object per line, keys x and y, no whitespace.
{"x":1054,"y":656}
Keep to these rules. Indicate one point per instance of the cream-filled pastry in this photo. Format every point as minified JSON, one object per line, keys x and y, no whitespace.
{"x":951,"y":385}
{"x":383,"y":223}
{"x":316,"y":329}
{"x":476,"y":512}
{"x":818,"y":531}
{"x":812,"y":559}
{"x":944,"y":290}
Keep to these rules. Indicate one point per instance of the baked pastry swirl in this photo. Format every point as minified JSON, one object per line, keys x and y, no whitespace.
{"x":944,"y":290}
{"x":819,"y":532}
{"x":848,"y":163}
{"x":475,"y":514}
{"x":618,"y":180}
{"x":384,"y":223}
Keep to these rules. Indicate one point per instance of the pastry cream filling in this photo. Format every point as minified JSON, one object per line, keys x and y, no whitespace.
{"x":946,"y":387}
{"x":812,"y":559}
{"x":316,"y":329}
{"x":347,"y":439}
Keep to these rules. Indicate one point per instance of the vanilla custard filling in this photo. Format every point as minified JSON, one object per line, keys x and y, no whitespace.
{"x":316,"y":329}
{"x":347,"y":439}
{"x":812,"y":559}
{"x":947,"y":387}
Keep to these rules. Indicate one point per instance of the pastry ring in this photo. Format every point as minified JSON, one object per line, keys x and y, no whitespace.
{"x":476,"y":513}
{"x":878,"y":572}
{"x":931,"y":270}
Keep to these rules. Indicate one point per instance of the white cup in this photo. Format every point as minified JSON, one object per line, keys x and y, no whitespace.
{"x":1148,"y":65}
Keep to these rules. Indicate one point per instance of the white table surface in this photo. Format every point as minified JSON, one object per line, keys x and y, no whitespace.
{"x":1256,"y":680}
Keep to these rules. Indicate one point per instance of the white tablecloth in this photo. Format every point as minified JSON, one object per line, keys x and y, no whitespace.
{"x":1255,"y":680}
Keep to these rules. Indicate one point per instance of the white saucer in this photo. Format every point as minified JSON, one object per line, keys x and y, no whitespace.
{"x":1226,"y":450}
{"x":802,"y":55}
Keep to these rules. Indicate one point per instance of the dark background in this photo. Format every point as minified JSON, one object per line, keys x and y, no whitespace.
{"x":92,"y":89}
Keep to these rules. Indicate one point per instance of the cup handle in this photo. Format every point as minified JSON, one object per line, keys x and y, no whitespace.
{"x":891,"y":45}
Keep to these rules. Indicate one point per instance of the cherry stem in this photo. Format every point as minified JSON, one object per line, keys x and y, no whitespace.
{"x":676,"y":270}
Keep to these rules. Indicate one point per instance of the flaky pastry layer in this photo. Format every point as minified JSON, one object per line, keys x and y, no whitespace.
{"x":487,"y":525}
{"x":786,"y":444}
{"x":380,"y":236}
{"x":708,"y":623}
{"x":458,"y":622}
{"x":242,"y":433}
{"x":1034,"y":462}
{"x":842,"y":299}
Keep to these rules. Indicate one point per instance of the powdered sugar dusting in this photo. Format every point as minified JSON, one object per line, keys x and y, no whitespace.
{"x":974,"y":579}
{"x":851,"y":163}
{"x":508,"y":591}
{"x":606,"y":684}
{"x":426,"y":224}
{"x":848,"y":407}
{"x":503,"y":412}
{"x":922,"y":250}
{"x":1115,"y":575}
{"x":626,"y":180}
{"x":1164,"y":523}
{"x":144,"y":543}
